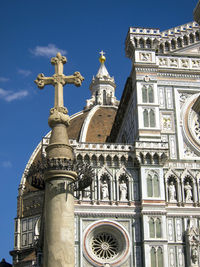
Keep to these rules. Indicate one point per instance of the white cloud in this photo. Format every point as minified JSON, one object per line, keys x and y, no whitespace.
{"x":47,"y":51}
{"x":6,"y":164}
{"x":25,"y":73}
{"x":3,"y":79}
{"x":9,"y":96}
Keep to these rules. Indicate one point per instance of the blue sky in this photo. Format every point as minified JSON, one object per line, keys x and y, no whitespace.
{"x":31,"y":33}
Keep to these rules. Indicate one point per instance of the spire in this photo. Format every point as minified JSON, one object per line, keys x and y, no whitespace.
{"x":102,"y":87}
{"x":102,"y":72}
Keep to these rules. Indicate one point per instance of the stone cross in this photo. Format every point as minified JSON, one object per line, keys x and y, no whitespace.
{"x":58,"y":80}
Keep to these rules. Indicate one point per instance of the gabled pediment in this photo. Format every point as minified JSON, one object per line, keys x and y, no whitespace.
{"x":189,"y":50}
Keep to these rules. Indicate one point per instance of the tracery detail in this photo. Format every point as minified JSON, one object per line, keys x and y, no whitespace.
{"x":105,"y":246}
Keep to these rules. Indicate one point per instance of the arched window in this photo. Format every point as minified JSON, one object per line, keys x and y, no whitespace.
{"x":152,"y":228}
{"x":144,"y":94}
{"x":153,"y":185}
{"x":185,"y":40}
{"x":191,"y":38}
{"x":149,"y":186}
{"x":116,"y":161}
{"x":173,"y":44}
{"x":94,"y":160}
{"x":136,"y":42}
{"x":123,"y":160}
{"x":108,"y":160}
{"x":156,"y":186}
{"x":87,"y":159}
{"x":148,"y":43}
{"x":155,"y":230}
{"x":147,"y":94}
{"x":150,"y":94}
{"x":101,"y":160}
{"x":155,"y":159}
{"x":153,"y":257}
{"x":160,"y":257}
{"x":104,"y":97}
{"x":152,"y":118}
{"x":146,"y":118}
{"x":197,"y":36}
{"x":148,"y":158}
{"x":166,"y":46}
{"x":141,"y":43}
{"x":79,"y":158}
{"x":158,"y":228}
{"x":161,"y":50}
{"x":156,"y":257}
{"x":179,"y":42}
{"x":149,"y":118}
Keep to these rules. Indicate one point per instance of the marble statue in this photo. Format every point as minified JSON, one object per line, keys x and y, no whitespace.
{"x":188,"y":192}
{"x":123,"y":191}
{"x":172,"y":191}
{"x":104,"y":190}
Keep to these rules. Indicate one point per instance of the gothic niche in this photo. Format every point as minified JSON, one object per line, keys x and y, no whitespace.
{"x":192,"y":244}
{"x":172,"y":189}
{"x":123,"y":188}
{"x":105,"y":187}
{"x":188,"y":192}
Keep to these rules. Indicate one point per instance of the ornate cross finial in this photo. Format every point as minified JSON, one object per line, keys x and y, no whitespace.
{"x":58,"y":80}
{"x":102,"y":53}
{"x":102,"y":58}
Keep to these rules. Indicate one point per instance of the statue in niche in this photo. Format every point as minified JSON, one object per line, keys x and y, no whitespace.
{"x":172,"y":191}
{"x":86,"y":193}
{"x":194,"y":255}
{"x":123,"y":191}
{"x":104,"y":190}
{"x":188,"y":192}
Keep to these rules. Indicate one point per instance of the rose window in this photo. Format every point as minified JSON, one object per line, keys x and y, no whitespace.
{"x":105,"y":246}
{"x":106,"y":242}
{"x":197,"y":126}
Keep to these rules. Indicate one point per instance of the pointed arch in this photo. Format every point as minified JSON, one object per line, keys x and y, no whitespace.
{"x":160,"y":257}
{"x":153,"y":257}
{"x":146,"y":118}
{"x":185,"y":40}
{"x":79,"y":158}
{"x":108,"y":160}
{"x":155,"y":158}
{"x":151,"y":228}
{"x":116,"y":161}
{"x":94,"y":160}
{"x":101,"y":160}
{"x":197,"y":36}
{"x":191,"y":38}
{"x":179,"y":42}
{"x":148,"y":43}
{"x":173,"y":44}
{"x":87,"y":159}
{"x":144,"y":94}
{"x":141,"y":43}
{"x":167,"y":47}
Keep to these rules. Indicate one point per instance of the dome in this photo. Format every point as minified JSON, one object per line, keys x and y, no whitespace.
{"x":92,"y":126}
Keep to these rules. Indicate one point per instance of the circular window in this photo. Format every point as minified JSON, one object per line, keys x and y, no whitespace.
{"x":191,"y":124}
{"x":106,"y":242}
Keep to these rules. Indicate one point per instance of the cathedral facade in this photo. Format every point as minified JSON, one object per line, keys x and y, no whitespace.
{"x":143,"y":206}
